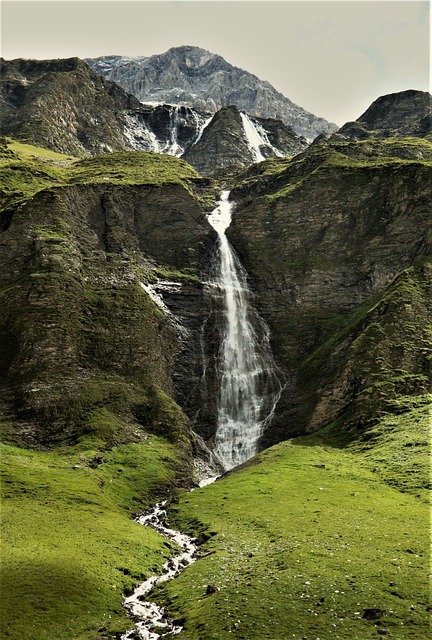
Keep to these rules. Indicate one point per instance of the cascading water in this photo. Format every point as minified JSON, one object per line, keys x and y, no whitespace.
{"x":257,"y":139}
{"x":202,"y":126}
{"x":174,"y":148}
{"x":249,"y":384}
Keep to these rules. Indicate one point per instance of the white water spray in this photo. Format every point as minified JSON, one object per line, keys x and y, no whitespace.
{"x":201,"y":128}
{"x":249,"y":386}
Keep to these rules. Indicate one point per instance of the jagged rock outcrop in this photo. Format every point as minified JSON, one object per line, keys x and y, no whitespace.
{"x":407,"y":113}
{"x":234,"y":140}
{"x":65,"y":106}
{"x":205,"y":81}
{"x":62,"y":105}
{"x":164,"y":128}
{"x":334,"y":241}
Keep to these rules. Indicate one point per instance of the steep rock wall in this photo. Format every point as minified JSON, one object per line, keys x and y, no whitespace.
{"x":323,"y":245}
{"x":83,"y":346}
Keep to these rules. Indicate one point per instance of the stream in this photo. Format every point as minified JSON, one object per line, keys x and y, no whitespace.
{"x":151,"y":616}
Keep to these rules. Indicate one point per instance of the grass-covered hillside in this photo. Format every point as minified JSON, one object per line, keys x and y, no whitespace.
{"x":26,"y":169}
{"x":69,"y":547}
{"x":314,"y":539}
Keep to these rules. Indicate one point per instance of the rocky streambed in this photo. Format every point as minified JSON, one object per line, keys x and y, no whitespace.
{"x":153,"y":621}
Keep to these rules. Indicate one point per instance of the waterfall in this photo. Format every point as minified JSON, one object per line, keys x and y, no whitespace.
{"x":249,"y":384}
{"x":139,"y":135}
{"x":257,"y":138}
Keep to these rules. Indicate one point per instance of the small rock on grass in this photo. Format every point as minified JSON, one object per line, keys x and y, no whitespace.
{"x":373,"y":614}
{"x":211,"y":588}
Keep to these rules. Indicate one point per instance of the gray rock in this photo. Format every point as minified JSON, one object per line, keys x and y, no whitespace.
{"x":205,"y":81}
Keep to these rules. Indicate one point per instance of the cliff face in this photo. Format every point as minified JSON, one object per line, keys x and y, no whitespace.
{"x":334,"y":241}
{"x":64,"y":106}
{"x":205,"y":81}
{"x":85,"y":348}
{"x":407,"y":113}
{"x":335,"y":248}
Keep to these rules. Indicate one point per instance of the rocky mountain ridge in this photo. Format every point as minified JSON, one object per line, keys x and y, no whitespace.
{"x":65,"y":106}
{"x":320,"y":235}
{"x":353,"y":235}
{"x":205,"y":81}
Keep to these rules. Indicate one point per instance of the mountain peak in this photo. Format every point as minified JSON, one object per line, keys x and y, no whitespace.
{"x":192,"y":76}
{"x":190,"y":52}
{"x":394,"y":109}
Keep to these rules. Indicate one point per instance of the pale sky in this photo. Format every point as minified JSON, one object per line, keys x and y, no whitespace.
{"x":331,"y":57}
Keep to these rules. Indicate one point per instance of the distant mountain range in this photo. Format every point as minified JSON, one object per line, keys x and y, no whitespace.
{"x":207,"y":82}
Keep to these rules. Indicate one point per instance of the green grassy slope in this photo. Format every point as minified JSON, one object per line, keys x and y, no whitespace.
{"x":70,"y":548}
{"x":306,"y":539}
{"x":26,"y":169}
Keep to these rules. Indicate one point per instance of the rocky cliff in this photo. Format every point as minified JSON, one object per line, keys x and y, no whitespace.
{"x":84,"y":345}
{"x":407,"y":113}
{"x":64,"y":106}
{"x":235,"y":140}
{"x":335,"y":243}
{"x":332,"y":239}
{"x":205,"y":81}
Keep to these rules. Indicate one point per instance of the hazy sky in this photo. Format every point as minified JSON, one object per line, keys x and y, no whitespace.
{"x":331,"y":57}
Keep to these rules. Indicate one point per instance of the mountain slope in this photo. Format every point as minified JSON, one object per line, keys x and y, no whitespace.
{"x":335,"y":242}
{"x":64,"y":106}
{"x":105,"y":332}
{"x":407,"y":113}
{"x":232,"y":139}
{"x":78,"y":241}
{"x":307,"y":541}
{"x":205,"y":81}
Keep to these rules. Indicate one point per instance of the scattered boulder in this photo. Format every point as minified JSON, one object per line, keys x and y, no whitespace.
{"x":211,"y":588}
{"x":373,"y":614}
